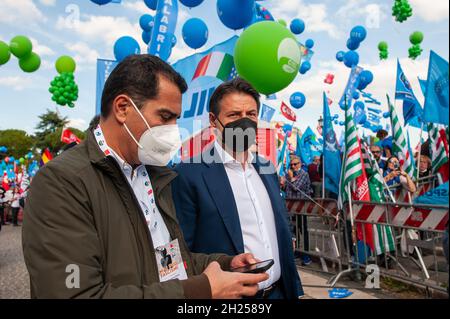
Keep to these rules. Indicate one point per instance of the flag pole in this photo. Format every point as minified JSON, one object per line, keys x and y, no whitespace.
{"x":420,"y":153}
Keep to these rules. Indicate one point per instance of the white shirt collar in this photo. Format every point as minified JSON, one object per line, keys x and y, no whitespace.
{"x":227,"y":158}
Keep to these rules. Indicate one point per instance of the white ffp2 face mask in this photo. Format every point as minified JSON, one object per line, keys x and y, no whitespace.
{"x":157,"y":145}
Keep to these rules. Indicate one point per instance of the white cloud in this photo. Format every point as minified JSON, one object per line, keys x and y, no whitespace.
{"x":77,"y":123}
{"x":17,"y":83}
{"x":48,"y":2}
{"x":41,"y":49}
{"x":138,"y":6}
{"x":83,"y":53}
{"x":23,"y":12}
{"x":102,"y":30}
{"x":431,"y":11}
{"x":315,"y":15}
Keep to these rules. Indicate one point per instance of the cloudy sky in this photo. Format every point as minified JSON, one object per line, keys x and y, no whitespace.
{"x":86,"y":31}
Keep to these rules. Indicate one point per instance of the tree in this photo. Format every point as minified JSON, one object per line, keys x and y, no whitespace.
{"x":49,"y":130}
{"x":18,"y":142}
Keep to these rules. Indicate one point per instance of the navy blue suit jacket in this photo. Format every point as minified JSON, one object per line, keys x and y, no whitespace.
{"x":208,"y":216}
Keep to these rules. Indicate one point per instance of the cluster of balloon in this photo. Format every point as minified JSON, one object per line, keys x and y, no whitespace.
{"x":236,"y":14}
{"x":383,"y":48}
{"x":297,"y":100}
{"x":416,"y":39}
{"x":268,"y":56}
{"x":22,"y":48}
{"x":63,"y":88}
{"x":329,"y":79}
{"x":401,"y":10}
{"x":124,"y":47}
{"x":351,"y":58}
{"x":195,"y":33}
{"x":365,"y":78}
{"x":146,"y":22}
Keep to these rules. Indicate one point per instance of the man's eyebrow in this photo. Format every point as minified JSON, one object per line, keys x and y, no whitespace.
{"x":166,"y":110}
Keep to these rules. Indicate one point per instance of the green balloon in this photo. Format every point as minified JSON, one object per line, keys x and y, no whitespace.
{"x":54,"y":98}
{"x":20,"y":46}
{"x":52,"y":89}
{"x":21,"y":160}
{"x":282,"y":22}
{"x":30,"y":63}
{"x":5,"y":53}
{"x":268,"y":56}
{"x":382,"y":46}
{"x":416,"y":37}
{"x":65,"y":64}
{"x":56,"y":93}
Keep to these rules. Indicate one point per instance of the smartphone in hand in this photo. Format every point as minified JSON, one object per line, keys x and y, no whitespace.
{"x":256,"y":268}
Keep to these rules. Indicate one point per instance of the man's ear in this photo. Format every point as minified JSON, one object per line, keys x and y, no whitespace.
{"x":212,"y":120}
{"x":120,"y":108}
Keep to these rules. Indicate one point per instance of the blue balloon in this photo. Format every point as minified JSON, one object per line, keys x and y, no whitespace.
{"x":359,"y":105}
{"x":335,"y":116}
{"x":358,"y":34}
{"x":297,"y":26}
{"x":341,"y":123}
{"x":151,"y":4}
{"x":386,"y":115}
{"x":336,"y":122}
{"x":146,"y":22}
{"x":195,"y":33}
{"x":351,"y":59}
{"x":365,"y":78}
{"x":174,"y":40}
{"x":124,"y":47}
{"x":352,"y":45}
{"x":146,"y":37}
{"x":191,"y":3}
{"x":101,"y":2}
{"x":309,"y":43}
{"x":236,"y":14}
{"x":356,"y":95}
{"x":305,"y":67}
{"x":340,"y":56}
{"x":297,"y":100}
{"x":287,"y":128}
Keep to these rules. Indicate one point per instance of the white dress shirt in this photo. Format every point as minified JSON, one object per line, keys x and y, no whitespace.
{"x":255,"y":212}
{"x":137,"y":179}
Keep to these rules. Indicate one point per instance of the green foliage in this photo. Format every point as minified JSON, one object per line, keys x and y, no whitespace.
{"x":18,"y":142}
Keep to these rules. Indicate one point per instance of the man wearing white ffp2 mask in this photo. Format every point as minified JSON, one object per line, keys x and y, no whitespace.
{"x":157,"y":145}
{"x":118,"y":204}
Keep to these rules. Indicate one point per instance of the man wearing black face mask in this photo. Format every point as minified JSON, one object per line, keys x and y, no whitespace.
{"x":228,"y":200}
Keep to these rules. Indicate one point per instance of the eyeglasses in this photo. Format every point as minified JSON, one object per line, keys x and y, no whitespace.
{"x":295,"y":164}
{"x":376,"y":152}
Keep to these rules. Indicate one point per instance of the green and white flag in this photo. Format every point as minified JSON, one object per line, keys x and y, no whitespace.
{"x":439,"y":155}
{"x":400,"y":144}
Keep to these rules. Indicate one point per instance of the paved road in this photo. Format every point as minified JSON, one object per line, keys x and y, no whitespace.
{"x":14,"y":280}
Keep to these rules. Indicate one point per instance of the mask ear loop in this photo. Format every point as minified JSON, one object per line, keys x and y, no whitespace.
{"x":132,"y":136}
{"x":143,"y":118}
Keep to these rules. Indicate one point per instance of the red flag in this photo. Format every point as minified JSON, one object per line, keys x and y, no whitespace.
{"x":287,"y":112}
{"x":68,"y":137}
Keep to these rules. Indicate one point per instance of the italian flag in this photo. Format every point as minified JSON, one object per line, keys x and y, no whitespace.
{"x":354,"y":174}
{"x":399,"y":143}
{"x":215,"y":64}
{"x":439,"y":150}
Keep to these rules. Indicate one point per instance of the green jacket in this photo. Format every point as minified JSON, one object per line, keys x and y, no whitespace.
{"x":82,"y":211}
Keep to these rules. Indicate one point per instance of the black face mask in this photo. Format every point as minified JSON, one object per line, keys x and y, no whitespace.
{"x":239,"y":135}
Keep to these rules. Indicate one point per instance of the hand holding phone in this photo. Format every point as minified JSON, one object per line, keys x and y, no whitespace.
{"x":256,"y":268}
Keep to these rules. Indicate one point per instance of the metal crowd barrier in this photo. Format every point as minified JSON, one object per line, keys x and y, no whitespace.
{"x":408,"y":239}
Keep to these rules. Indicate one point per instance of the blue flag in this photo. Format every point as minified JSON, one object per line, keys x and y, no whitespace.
{"x":436,"y":196}
{"x":267,"y":113}
{"x":331,"y":153}
{"x":281,"y":170}
{"x":423,"y":86}
{"x":412,"y":111}
{"x":163,"y":29}
{"x":104,"y":69}
{"x":352,"y":85}
{"x":307,"y":146}
{"x":436,"y":98}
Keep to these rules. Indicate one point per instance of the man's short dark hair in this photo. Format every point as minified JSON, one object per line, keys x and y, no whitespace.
{"x":237,"y":85}
{"x":138,"y":77}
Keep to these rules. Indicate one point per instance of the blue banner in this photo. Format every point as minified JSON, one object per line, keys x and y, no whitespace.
{"x":331,"y":152}
{"x":164,"y":29}
{"x":307,"y":146}
{"x":436,"y":99}
{"x":351,"y":87}
{"x":412,"y":111}
{"x":436,"y":196}
{"x":104,"y":69}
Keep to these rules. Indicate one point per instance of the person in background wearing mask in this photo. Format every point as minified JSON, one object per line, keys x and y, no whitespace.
{"x":394,"y":175}
{"x":228,"y":199}
{"x":99,"y":213}
{"x":424,"y":166}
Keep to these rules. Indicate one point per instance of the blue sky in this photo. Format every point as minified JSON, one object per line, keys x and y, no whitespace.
{"x":87,"y":31}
